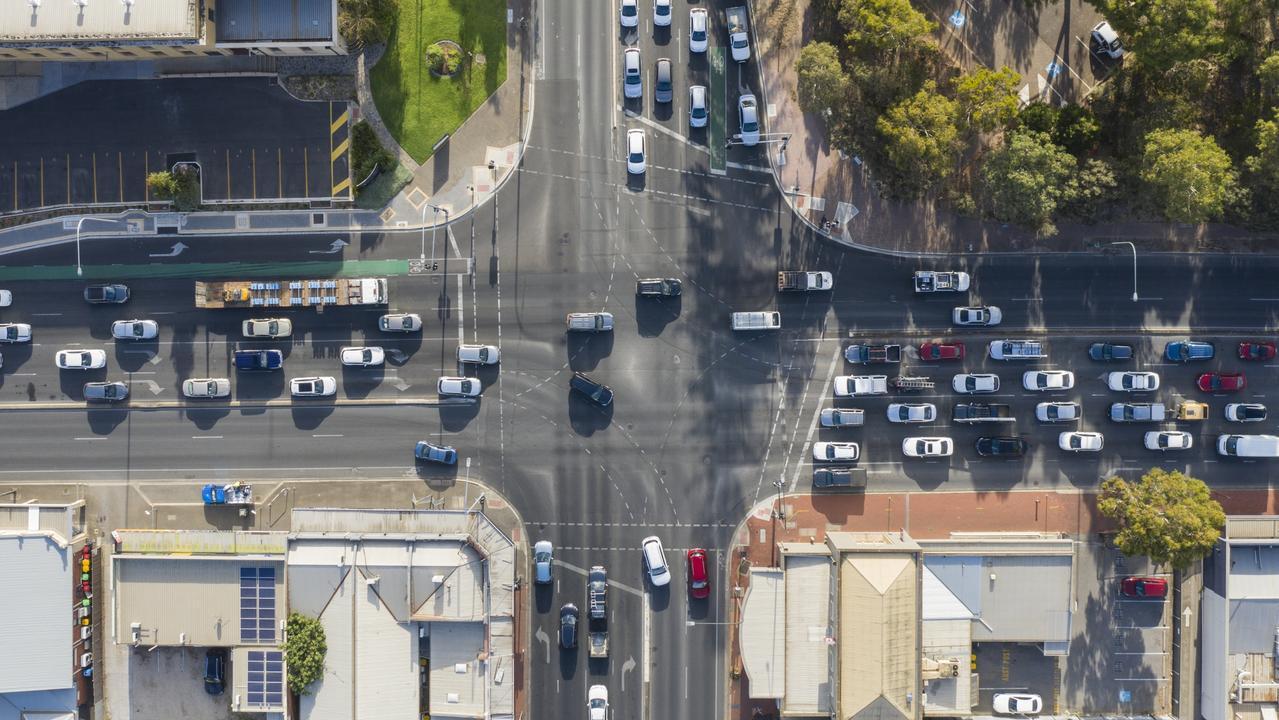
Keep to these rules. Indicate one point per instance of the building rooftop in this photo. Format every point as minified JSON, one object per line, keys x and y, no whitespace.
{"x":763,"y":633}
{"x":65,"y":21}
{"x":246,"y":21}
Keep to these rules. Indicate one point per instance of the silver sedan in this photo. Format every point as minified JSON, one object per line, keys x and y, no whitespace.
{"x":135,"y":329}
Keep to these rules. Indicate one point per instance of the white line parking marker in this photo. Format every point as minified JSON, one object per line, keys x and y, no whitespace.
{"x":206,"y":437}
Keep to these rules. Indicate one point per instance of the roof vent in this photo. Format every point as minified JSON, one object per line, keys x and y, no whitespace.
{"x":33,"y":3}
{"x":437,"y":579}
{"x":81,"y":3}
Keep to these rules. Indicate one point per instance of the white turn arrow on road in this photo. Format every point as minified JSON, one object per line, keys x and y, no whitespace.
{"x":334,"y":247}
{"x":178,"y":247}
{"x":545,"y":640}
{"x":627,"y":666}
{"x":153,"y":357}
{"x":152,"y":385}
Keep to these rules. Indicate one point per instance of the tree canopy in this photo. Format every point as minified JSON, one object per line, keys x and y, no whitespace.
{"x":304,"y":650}
{"x":920,"y":136}
{"x":1166,"y":516}
{"x":882,"y":26}
{"x":1166,"y":32}
{"x":823,"y":85}
{"x":1192,"y":176}
{"x":1024,"y":180}
{"x":987,"y":98}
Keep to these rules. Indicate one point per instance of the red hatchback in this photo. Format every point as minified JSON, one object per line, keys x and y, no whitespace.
{"x":1144,"y":587}
{"x":941,"y":351}
{"x":699,"y":583}
{"x":1256,"y":350}
{"x":1221,"y":382}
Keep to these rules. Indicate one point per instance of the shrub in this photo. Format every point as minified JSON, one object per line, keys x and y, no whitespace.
{"x":304,"y":650}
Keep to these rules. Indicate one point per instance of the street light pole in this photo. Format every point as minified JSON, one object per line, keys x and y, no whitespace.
{"x":434,"y":210}
{"x":79,"y":269}
{"x":1134,"y":265}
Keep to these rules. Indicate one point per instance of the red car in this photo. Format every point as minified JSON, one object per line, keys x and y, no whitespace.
{"x":1144,"y":587}
{"x":941,"y":351}
{"x":1221,"y":382}
{"x":699,"y":583}
{"x":1256,"y":350}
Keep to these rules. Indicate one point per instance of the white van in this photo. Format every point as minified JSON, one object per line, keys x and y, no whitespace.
{"x":1248,"y":445}
{"x":759,"y":320}
{"x":655,"y":561}
{"x":590,"y":322}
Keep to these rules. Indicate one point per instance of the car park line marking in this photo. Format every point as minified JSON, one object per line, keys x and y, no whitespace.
{"x":93,"y":438}
{"x":46,"y":314}
{"x":314,"y":435}
{"x":206,"y":437}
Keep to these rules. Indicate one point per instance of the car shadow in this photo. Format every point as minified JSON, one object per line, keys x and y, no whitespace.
{"x":437,"y":476}
{"x":311,"y":415}
{"x":103,"y":419}
{"x":652,"y":315}
{"x":455,"y":417}
{"x":358,"y":382}
{"x":257,"y":387}
{"x":134,"y":355}
{"x":205,"y":418}
{"x":568,"y":658}
{"x":586,"y":417}
{"x":585,"y":350}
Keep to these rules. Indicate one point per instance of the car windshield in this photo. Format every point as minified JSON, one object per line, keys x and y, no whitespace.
{"x":629,"y":10}
{"x":366,"y":355}
{"x":699,"y":112}
{"x":209,"y":388}
{"x":483,"y":354}
{"x":138,"y":329}
{"x":11,"y":332}
{"x":273,"y":327}
{"x":739,"y":43}
{"x":637,"y":157}
{"x":750,"y":126}
{"x":699,"y":35}
{"x":542,"y":557}
{"x":662,"y":10}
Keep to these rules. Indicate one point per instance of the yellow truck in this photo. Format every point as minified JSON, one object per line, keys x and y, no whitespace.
{"x":290,"y":294}
{"x":1190,"y":410}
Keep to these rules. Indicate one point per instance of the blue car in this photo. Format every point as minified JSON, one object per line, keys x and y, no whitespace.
{"x":435,"y":453}
{"x":215,"y":671}
{"x":258,"y":360}
{"x":1187,"y":350}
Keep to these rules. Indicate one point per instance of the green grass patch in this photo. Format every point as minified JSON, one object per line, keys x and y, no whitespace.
{"x":378,"y":193}
{"x":419,"y":108}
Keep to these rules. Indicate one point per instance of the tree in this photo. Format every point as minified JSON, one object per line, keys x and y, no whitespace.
{"x":1038,"y":116}
{"x":1024,"y":180}
{"x":1167,"y":516}
{"x":304,"y":650}
{"x":1190,"y":173}
{"x":1166,"y":32}
{"x":1264,"y":166}
{"x":1268,"y":72}
{"x":920,"y":137}
{"x":1076,"y":129}
{"x":1089,"y":189}
{"x":883,"y":26}
{"x":987,"y":98}
{"x":364,"y":22}
{"x":823,"y":85}
{"x":181,"y":186}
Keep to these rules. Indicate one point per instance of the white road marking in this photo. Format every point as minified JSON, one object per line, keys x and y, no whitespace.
{"x":314,"y":435}
{"x":92,"y":438}
{"x":46,"y":314}
{"x":206,"y":437}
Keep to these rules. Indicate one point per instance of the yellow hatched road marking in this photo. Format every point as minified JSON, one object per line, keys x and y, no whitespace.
{"x":346,"y":114}
{"x":341,"y":148}
{"x":342,"y":186}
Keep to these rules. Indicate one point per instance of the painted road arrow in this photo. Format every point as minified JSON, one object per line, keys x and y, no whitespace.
{"x":627,"y":666}
{"x":178,"y":247}
{"x":153,"y":357}
{"x":334,"y":247}
{"x":545,"y":640}
{"x":152,"y":385}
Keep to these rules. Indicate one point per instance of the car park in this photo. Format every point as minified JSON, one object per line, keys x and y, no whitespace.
{"x":1051,"y":412}
{"x":106,"y":391}
{"x":400,"y":322}
{"x":201,"y":388}
{"x":543,"y":556}
{"x":455,"y":386}
{"x":443,"y":454}
{"x":1257,"y":350}
{"x":1138,"y":412}
{"x":1245,"y":412}
{"x":663,"y":85}
{"x":80,"y":359}
{"x":589,"y":322}
{"x":658,"y":287}
{"x":1048,"y":380}
{"x":1001,"y":446}
{"x":836,"y":451}
{"x":596,"y":392}
{"x":597,"y":703}
{"x":630,"y":13}
{"x":1017,"y":704}
{"x":1132,"y":381}
{"x":1078,"y":441}
{"x":1187,"y":350}
{"x":979,"y":315}
{"x":975,"y":383}
{"x":135,"y":329}
{"x":258,"y":360}
{"x":1107,"y":352}
{"x":479,"y":354}
{"x":632,"y":74}
{"x":748,"y":119}
{"x":842,"y":417}
{"x":698,"y":27}
{"x":106,"y":294}
{"x":215,"y":671}
{"x":659,"y":572}
{"x":267,"y":328}
{"x":316,"y":386}
{"x":661,"y":13}
{"x":1168,"y":440}
{"x":927,"y":447}
{"x":912,"y":412}
{"x":1144,"y":587}
{"x":699,"y":581}
{"x":698,"y":113}
{"x":362,"y":356}
{"x":636,"y":162}
{"x":569,"y":616}
{"x":935,"y":351}
{"x":1106,"y":41}
{"x":15,"y":332}
{"x":1221,"y":382}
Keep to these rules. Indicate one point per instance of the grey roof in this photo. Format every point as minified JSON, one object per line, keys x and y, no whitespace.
{"x":1027,"y":601}
{"x":1252,"y":625}
{"x":36,"y":597}
{"x":1253,"y":571}
{"x":97,"y":20}
{"x":241,"y":21}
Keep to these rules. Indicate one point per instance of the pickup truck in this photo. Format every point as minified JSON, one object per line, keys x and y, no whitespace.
{"x":983,"y":412}
{"x":873,"y":354}
{"x":253,"y":360}
{"x":1017,"y":350}
{"x":929,"y":281}
{"x":234,"y":494}
{"x":1137,"y":412}
{"x":738,"y":33}
{"x":658,"y":287}
{"x":854,"y":385}
{"x":597,"y":616}
{"x":799,"y":280}
{"x":106,"y":294}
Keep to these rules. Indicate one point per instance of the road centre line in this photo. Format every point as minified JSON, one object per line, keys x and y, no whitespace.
{"x":318,"y":435}
{"x":206,"y":437}
{"x":93,"y":438}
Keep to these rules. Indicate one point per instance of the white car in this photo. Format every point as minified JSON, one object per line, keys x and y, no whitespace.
{"x":206,"y":387}
{"x":1076,"y":441}
{"x":459,"y":386}
{"x":400,"y":322}
{"x":6,"y":298}
{"x":1245,"y":412}
{"x":1106,"y":40}
{"x":362,"y":356}
{"x":659,"y":573}
{"x":980,"y":315}
{"x":698,"y":30}
{"x":80,"y":359}
{"x":925,"y":447}
{"x":313,"y":386}
{"x":268,"y":328}
{"x":974,"y":384}
{"x":135,"y":329}
{"x":1048,"y":380}
{"x":630,"y":13}
{"x":855,"y":385}
{"x":632,"y":74}
{"x":1132,"y":381}
{"x":698,"y":114}
{"x":661,"y":13}
{"x":833,"y":451}
{"x":837,"y":418}
{"x":1017,"y":704}
{"x":1051,"y":412}
{"x":597,"y":703}
{"x":635,"y":164}
{"x":748,"y":119}
{"x":479,"y":354}
{"x":912,"y":412}
{"x":1169,"y":440}
{"x":15,"y":332}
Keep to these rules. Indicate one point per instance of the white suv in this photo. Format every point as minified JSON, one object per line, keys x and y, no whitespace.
{"x":748,"y":119}
{"x":659,"y":573}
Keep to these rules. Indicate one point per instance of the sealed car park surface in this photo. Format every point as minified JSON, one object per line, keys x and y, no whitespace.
{"x":95,"y":142}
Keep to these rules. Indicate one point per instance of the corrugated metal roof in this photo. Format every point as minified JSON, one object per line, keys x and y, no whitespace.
{"x":45,"y":705}
{"x":808,"y":656}
{"x":763,"y":629}
{"x":1028,"y":599}
{"x":386,"y":662}
{"x":63,"y":20}
{"x":241,"y":21}
{"x":36,"y":614}
{"x":457,"y":676}
{"x":501,"y":667}
{"x":944,"y":640}
{"x":1254,"y":572}
{"x":1253,"y":624}
{"x":331,"y":697}
{"x":878,"y":632}
{"x":1215,"y":675}
{"x":939,"y":602}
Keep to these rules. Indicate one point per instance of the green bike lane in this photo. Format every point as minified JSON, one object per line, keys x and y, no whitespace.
{"x":719,"y":120}
{"x":229,"y":270}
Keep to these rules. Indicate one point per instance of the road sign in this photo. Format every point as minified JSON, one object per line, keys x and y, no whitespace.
{"x":1053,"y":70}
{"x":957,"y":18}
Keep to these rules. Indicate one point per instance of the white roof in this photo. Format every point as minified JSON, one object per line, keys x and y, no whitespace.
{"x":36,"y":597}
{"x":808,"y":655}
{"x":763,"y":629}
{"x":65,"y":20}
{"x":457,"y":675}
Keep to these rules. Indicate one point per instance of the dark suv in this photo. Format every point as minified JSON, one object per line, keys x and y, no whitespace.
{"x":215,"y":671}
{"x":1001,"y":446}
{"x":568,"y":626}
{"x":599,"y":393}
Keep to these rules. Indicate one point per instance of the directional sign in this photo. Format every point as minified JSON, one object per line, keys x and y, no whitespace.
{"x":334,"y":248}
{"x":957,"y":18}
{"x":177,"y":249}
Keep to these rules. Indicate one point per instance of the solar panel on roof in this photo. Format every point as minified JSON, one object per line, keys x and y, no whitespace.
{"x":257,"y":604}
{"x":266,"y":678}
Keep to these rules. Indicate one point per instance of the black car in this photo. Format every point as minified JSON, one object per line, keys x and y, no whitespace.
{"x":215,"y":671}
{"x":106,"y":294}
{"x":1109,"y":351}
{"x":1001,"y":446}
{"x":659,"y":287}
{"x":568,"y":627}
{"x":599,"y":393}
{"x":839,"y":478}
